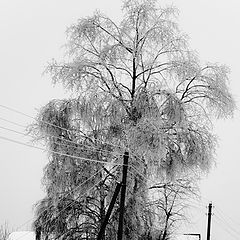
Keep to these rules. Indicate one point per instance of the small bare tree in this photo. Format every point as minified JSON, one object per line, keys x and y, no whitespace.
{"x":169,"y":202}
{"x":4,"y":232}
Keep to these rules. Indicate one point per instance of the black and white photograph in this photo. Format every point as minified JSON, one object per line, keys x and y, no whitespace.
{"x":119,"y":120}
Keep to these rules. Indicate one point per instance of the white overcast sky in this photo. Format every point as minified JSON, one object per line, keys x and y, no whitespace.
{"x":32,"y":33}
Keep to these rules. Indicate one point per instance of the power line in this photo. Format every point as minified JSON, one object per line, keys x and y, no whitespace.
{"x":225,"y":215}
{"x":64,"y":196}
{"x":66,"y":206}
{"x":59,"y":153}
{"x":65,"y":129}
{"x":147,"y":179}
{"x":67,"y":194}
{"x":154,"y":182}
{"x":58,"y":143}
{"x":224,"y":228}
{"x":227,"y":223}
{"x":11,"y":130}
{"x":51,"y":124}
{"x":17,"y":124}
{"x":195,"y":204}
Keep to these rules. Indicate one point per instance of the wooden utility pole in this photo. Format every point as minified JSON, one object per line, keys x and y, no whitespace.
{"x":38,"y":233}
{"x":110,"y":208}
{"x":123,"y":194}
{"x":209,"y":220}
{"x":119,"y":186}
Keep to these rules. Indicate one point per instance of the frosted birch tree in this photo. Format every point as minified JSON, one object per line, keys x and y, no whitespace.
{"x":139,"y":87}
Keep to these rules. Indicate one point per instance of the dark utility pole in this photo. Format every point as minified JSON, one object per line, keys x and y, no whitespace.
{"x":209,"y":220}
{"x":110,"y":208}
{"x":123,"y":194}
{"x":38,"y":233}
{"x":119,"y":186}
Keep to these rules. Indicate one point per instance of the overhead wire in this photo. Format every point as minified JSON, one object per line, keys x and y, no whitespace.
{"x":147,"y":179}
{"x":84,"y":159}
{"x":226,"y":216}
{"x":69,"y":130}
{"x":193,"y":204}
{"x":68,"y":205}
{"x":14,"y":123}
{"x":18,"y":142}
{"x":224,"y":228}
{"x":227,"y":223}
{"x":198,"y":203}
{"x":42,"y":149}
{"x":64,"y":195}
{"x":50,"y":135}
{"x":51,"y":151}
{"x":19,"y":112}
{"x":62,"y":138}
{"x":65,"y":140}
{"x":54,"y":125}
{"x":59,"y":153}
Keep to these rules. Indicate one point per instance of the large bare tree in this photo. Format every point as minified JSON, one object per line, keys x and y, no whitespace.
{"x":139,"y":87}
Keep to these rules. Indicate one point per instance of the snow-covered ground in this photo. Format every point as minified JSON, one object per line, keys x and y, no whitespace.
{"x":23,"y":235}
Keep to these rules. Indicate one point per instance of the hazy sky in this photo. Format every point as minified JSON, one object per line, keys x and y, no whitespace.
{"x":32,"y":33}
